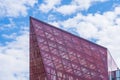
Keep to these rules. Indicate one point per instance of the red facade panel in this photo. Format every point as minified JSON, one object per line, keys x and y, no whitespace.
{"x":58,"y":55}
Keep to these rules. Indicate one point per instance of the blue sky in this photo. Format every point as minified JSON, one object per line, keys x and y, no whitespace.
{"x":94,"y":20}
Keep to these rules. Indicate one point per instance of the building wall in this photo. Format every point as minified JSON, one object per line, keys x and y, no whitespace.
{"x":63,"y":56}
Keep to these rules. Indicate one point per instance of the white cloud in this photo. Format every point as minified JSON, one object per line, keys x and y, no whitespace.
{"x":66,"y":9}
{"x":76,"y":6}
{"x":49,"y":5}
{"x":117,"y":11}
{"x":14,"y":58}
{"x":14,"y":8}
{"x":103,"y":27}
{"x":55,"y":23}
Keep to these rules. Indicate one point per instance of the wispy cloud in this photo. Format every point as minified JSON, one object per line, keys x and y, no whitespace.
{"x":48,"y":5}
{"x":14,"y":8}
{"x":11,"y":36}
{"x":11,"y":24}
{"x":76,"y":6}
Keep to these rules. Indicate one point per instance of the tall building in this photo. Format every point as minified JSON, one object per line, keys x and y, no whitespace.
{"x":58,"y":55}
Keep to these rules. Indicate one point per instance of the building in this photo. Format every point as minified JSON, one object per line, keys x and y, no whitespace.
{"x":115,"y":75}
{"x":58,"y":55}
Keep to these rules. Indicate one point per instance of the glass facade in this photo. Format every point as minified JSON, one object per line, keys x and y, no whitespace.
{"x":115,"y":75}
{"x":118,"y":75}
{"x":58,"y":55}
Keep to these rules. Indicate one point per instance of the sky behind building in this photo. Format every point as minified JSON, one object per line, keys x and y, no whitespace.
{"x":94,"y":20}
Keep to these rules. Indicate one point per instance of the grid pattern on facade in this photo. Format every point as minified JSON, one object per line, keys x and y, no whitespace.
{"x":67,"y":57}
{"x":37,"y":71}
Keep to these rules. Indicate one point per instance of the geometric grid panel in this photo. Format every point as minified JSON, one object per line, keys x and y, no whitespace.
{"x":37,"y":70}
{"x":64,"y":56}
